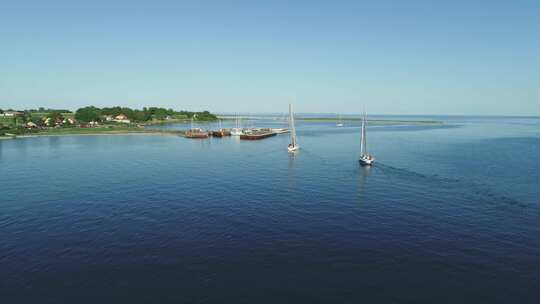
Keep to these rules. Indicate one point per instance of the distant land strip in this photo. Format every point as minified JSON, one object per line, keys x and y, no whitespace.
{"x":376,"y":121}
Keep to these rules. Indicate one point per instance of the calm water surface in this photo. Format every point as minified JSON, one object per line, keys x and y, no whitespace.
{"x":450,"y":214}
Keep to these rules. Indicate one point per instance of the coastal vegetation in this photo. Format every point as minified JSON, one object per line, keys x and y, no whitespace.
{"x":91,"y":120}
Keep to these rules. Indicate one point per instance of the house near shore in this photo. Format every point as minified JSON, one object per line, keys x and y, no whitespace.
{"x":108,"y":118}
{"x":92,"y":124}
{"x":69,"y":120}
{"x":49,"y":122}
{"x":122,"y":118}
{"x":12,"y":114}
{"x":30,"y":125}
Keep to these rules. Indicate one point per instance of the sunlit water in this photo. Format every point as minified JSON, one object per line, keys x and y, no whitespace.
{"x":449,"y":214}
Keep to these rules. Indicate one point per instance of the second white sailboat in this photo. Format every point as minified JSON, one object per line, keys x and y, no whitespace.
{"x":339,"y":123}
{"x":366,"y":159}
{"x":293,"y":146}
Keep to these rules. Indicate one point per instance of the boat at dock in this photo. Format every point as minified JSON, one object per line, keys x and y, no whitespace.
{"x":280,"y":130}
{"x":221,"y":132}
{"x":366,"y":159}
{"x":237,"y":131}
{"x":196,"y":132}
{"x":255,"y":134}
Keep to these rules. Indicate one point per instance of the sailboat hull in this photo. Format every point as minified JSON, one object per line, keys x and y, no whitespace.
{"x":293,"y":149}
{"x":257,"y":135}
{"x":364,"y":161}
{"x":236,"y":132}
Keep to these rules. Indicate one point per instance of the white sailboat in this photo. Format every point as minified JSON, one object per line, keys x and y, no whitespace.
{"x":366,"y":159}
{"x":340,"y":123}
{"x":236,"y":131}
{"x":293,"y":146}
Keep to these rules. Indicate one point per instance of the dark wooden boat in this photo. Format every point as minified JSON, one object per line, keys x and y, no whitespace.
{"x":221,"y":133}
{"x":196,"y":133}
{"x":258,"y":134}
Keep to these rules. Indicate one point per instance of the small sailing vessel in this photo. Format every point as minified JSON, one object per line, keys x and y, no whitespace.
{"x":293,"y":146}
{"x":366,"y":159}
{"x":236,"y":131}
{"x":339,"y":123}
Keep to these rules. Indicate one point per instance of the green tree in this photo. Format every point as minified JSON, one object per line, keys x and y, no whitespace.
{"x":55,"y":116}
{"x":88,"y":114}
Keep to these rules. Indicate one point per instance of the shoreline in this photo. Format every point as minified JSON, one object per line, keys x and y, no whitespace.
{"x":98,"y":133}
{"x":174,"y":121}
{"x":154,"y":132}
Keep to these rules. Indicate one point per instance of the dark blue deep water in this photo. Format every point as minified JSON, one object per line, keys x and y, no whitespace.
{"x":449,"y":214}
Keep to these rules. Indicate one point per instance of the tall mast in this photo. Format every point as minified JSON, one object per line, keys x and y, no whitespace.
{"x":362,"y":137}
{"x":363,"y":145}
{"x":291,"y":124}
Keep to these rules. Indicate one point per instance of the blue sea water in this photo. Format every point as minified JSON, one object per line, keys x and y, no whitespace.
{"x":449,"y":214}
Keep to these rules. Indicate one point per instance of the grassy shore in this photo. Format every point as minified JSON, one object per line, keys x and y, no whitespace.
{"x":95,"y":131}
{"x":175,"y":120}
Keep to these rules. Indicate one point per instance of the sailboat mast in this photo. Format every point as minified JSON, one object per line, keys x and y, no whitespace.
{"x":291,"y":124}
{"x":364,"y":139}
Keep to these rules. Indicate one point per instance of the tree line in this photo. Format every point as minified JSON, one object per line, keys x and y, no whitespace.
{"x":91,"y":113}
{"x":39,"y":110}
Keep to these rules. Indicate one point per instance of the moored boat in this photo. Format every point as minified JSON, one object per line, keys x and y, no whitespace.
{"x":257,"y":134}
{"x":196,"y":133}
{"x":280,"y":130}
{"x":221,"y":132}
{"x":236,"y":131}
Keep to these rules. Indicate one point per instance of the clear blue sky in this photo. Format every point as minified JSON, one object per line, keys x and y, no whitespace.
{"x":394,"y":57}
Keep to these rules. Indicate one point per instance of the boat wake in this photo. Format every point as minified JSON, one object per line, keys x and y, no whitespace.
{"x":473,"y":190}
